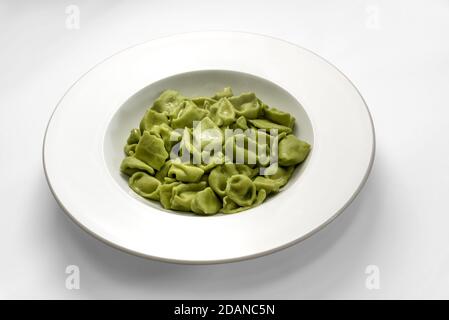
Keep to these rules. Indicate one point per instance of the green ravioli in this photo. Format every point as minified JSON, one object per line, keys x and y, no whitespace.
{"x":207,"y":155}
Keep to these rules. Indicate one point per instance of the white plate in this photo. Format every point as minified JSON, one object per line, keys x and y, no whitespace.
{"x":84,"y":141}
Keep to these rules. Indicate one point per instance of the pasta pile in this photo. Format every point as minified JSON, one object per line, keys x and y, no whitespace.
{"x":228,"y":173}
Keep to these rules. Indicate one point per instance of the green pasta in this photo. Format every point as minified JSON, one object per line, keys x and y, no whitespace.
{"x":206,"y":155}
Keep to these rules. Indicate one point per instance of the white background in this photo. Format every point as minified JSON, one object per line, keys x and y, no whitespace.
{"x":395,"y":52}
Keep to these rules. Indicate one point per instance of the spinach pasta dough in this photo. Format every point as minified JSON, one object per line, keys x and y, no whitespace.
{"x":225,"y":153}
